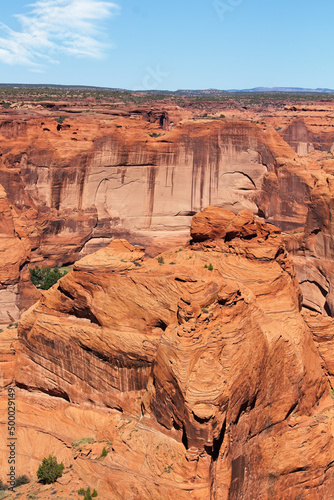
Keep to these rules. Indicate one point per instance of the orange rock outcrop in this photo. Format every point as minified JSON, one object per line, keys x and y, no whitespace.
{"x":195,"y":370}
{"x":79,"y":177}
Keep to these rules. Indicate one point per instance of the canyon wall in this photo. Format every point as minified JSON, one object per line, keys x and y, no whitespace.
{"x":76,"y":185}
{"x":73,"y":188}
{"x":195,"y":370}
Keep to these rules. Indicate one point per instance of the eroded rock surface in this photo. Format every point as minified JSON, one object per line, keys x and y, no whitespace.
{"x":15,"y":250}
{"x":76,"y":181}
{"x":196,"y":370}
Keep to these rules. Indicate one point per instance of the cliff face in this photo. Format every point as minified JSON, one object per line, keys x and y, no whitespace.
{"x":195,"y":369}
{"x":76,"y":185}
{"x":15,"y":250}
{"x":92,"y":180}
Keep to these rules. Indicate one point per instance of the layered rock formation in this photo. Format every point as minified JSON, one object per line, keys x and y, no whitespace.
{"x":77,"y":185}
{"x":77,"y":180}
{"x":196,"y":370}
{"x":16,"y":290}
{"x":111,"y":182}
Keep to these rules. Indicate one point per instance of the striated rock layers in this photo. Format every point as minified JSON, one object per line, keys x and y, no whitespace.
{"x":16,"y":290}
{"x":94,"y":178}
{"x":76,"y":185}
{"x":196,"y":371}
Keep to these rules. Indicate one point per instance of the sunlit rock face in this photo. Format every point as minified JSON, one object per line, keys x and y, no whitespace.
{"x":111,"y":181}
{"x":197,"y":365}
{"x":75,"y":187}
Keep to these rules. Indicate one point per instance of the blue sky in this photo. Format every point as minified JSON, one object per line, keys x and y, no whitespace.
{"x":146,"y":44}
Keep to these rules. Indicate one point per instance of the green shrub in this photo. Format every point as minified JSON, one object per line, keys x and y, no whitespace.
{"x":3,"y":486}
{"x":61,"y":119}
{"x":49,"y":470}
{"x":47,"y":277}
{"x":104,"y":453}
{"x":154,"y":134}
{"x":22,"y":480}
{"x":82,"y":441}
{"x":160,"y":259}
{"x":210,"y":267}
{"x":87,"y":494}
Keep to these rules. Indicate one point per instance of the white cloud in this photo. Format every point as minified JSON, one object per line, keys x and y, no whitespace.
{"x":53,"y":27}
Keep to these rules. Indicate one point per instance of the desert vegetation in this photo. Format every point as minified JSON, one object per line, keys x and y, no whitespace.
{"x":47,"y":277}
{"x":49,"y":470}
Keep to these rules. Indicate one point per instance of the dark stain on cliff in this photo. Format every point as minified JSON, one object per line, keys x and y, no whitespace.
{"x":297,"y":132}
{"x":81,"y":177}
{"x":151,"y":176}
{"x":214,"y":159}
{"x":58,"y":177}
{"x":13,"y":129}
{"x":123,"y":174}
{"x":203,"y":157}
{"x":238,"y":477}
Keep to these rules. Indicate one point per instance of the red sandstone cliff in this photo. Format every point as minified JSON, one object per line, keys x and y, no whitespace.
{"x":76,"y":186}
{"x":196,"y":371}
{"x":141,"y":174}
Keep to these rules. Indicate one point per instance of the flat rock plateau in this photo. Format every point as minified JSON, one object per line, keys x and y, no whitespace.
{"x":189,"y":353}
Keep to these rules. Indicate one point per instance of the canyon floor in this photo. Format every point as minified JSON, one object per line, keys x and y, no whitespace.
{"x":193,"y":339}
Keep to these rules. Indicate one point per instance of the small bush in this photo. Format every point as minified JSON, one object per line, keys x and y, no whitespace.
{"x":331,"y":393}
{"x":137,"y":264}
{"x":22,"y":480}
{"x":160,"y":259}
{"x":82,"y":441}
{"x":104,"y":453}
{"x":205,"y":311}
{"x":168,"y":468}
{"x":210,"y":267}
{"x":46,"y":278}
{"x":87,"y":494}
{"x":61,"y":119}
{"x":154,"y":134}
{"x":49,"y":470}
{"x":3,"y":486}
